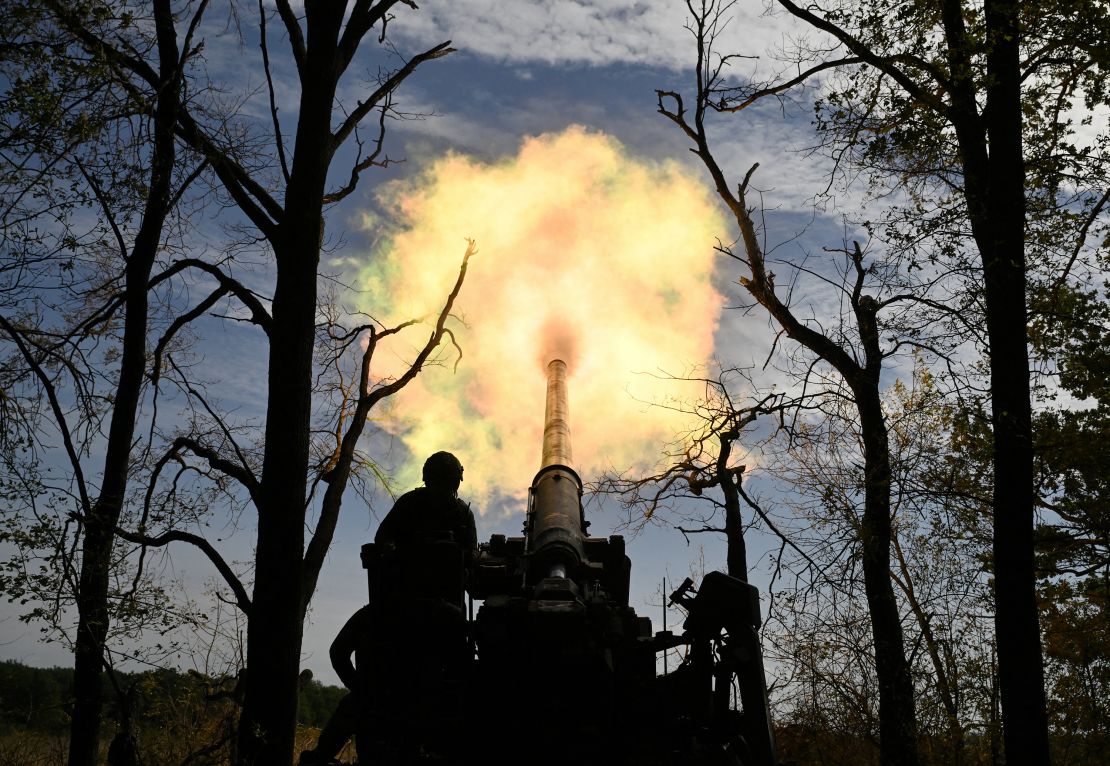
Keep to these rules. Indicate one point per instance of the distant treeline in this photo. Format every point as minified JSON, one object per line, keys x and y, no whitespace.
{"x":39,"y":699}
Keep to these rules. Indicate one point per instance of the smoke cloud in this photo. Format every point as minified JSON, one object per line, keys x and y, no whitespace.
{"x":585,"y":253}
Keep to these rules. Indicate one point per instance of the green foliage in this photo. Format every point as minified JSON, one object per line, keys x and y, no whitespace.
{"x":317,"y":702}
{"x":1071,"y":332}
{"x":1071,"y":326}
{"x":904,"y":146}
{"x":173,"y":713}
{"x":1074,"y":472}
{"x":34,"y":699}
{"x":1075,"y":618}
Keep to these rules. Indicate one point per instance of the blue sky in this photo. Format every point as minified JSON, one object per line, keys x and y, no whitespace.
{"x":523,"y":69}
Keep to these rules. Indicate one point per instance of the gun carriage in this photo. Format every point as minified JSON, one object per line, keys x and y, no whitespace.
{"x":556,"y":667}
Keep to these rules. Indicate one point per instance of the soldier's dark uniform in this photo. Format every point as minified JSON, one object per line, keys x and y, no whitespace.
{"x":428,"y":515}
{"x":344,"y":721}
{"x":425,"y":547}
{"x":426,"y":544}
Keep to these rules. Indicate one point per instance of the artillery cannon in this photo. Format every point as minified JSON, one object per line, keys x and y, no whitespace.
{"x":559,"y":668}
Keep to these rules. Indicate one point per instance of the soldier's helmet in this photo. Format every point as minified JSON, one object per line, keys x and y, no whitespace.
{"x":443,"y":470}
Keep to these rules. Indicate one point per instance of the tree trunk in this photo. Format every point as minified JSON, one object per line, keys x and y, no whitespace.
{"x":994,"y":186}
{"x":736,"y":549}
{"x":274,"y":630}
{"x":1020,"y":664}
{"x":897,"y":709}
{"x":267,"y":724}
{"x":96,"y":553}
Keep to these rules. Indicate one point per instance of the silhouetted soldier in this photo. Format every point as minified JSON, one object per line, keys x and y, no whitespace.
{"x":432,"y":513}
{"x":351,"y":641}
{"x":426,"y":545}
{"x":414,"y":631}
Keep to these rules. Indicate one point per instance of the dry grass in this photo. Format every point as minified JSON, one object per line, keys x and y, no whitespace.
{"x":22,"y":748}
{"x":165,"y":747}
{"x":306,"y":740}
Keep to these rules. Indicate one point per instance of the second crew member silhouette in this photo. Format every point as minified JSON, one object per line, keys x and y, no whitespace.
{"x":353,"y":639}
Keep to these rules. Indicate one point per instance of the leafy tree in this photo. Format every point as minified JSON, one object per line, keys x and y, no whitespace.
{"x":317,"y":701}
{"x":34,"y":698}
{"x":963,"y":109}
{"x":283,"y":196}
{"x":1077,"y":650}
{"x":39,"y":138}
{"x":886,"y":308}
{"x":1070,"y":332}
{"x":817,"y":624}
{"x":1073,"y":471}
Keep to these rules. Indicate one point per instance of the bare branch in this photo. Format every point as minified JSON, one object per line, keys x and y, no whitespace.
{"x":105,"y":208}
{"x":1081,"y":240}
{"x":779,"y":533}
{"x":237,"y":471}
{"x":338,"y":473}
{"x":187,"y":43}
{"x":363,"y":17}
{"x":362,"y":163}
{"x":279,"y":140}
{"x":178,"y":323}
{"x":241,"y":598}
{"x":296,"y":36}
{"x":883,"y":64}
{"x":55,"y":407}
{"x":386,"y":88}
{"x":389,"y":389}
{"x":255,"y":202}
{"x":259,"y":315}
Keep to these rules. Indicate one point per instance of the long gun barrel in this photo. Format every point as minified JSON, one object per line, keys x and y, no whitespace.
{"x":568,"y":667}
{"x":556,"y":525}
{"x":556,"y":420}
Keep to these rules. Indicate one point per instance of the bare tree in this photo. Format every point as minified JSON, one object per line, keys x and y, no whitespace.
{"x":702,"y":459}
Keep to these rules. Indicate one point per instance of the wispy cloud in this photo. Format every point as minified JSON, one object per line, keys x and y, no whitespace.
{"x":647,"y":32}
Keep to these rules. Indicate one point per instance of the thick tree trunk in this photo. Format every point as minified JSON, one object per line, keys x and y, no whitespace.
{"x":994,"y":185}
{"x":92,"y":628}
{"x":1020,"y":664}
{"x":96,"y":555}
{"x":268,"y":721}
{"x":267,"y":724}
